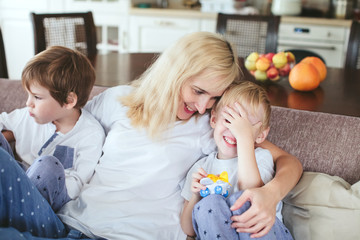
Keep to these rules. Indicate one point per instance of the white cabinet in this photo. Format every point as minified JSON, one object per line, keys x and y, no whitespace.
{"x":110,"y":18}
{"x":155,"y":34}
{"x":17,"y":30}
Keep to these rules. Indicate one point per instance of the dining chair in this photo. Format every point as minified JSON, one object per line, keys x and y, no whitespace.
{"x":72,"y":30}
{"x":300,"y":54}
{"x":3,"y":65}
{"x":249,"y":33}
{"x":352,"y":60}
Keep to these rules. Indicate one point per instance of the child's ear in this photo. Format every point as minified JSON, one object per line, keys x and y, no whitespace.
{"x":262,"y":135}
{"x":71,"y":100}
{"x":213,"y":118}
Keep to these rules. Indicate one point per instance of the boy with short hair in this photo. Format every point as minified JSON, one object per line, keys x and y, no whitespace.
{"x":58,"y":142}
{"x":240,"y":121}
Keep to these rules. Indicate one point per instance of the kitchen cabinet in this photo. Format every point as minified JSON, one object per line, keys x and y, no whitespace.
{"x":156,"y":33}
{"x":110,"y":18}
{"x":111,"y":21}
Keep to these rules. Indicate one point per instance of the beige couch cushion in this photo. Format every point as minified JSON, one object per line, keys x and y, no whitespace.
{"x":323,"y":207}
{"x":323,"y":142}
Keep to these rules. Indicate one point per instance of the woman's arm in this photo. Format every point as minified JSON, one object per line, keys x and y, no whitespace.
{"x":261,"y":215}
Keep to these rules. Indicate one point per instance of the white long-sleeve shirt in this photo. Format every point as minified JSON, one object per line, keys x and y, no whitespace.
{"x":33,"y":140}
{"x":135,"y":192}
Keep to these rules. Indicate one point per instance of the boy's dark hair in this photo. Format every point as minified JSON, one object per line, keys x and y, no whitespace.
{"x":61,"y":70}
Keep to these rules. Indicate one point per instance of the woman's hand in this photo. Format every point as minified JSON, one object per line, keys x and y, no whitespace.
{"x":260,"y":217}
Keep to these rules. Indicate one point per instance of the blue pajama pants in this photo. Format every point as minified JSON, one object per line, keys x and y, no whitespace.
{"x":211,"y":220}
{"x":24,"y":212}
{"x":48,"y":175}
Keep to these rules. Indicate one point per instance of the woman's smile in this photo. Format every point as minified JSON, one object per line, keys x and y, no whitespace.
{"x":189,"y":109}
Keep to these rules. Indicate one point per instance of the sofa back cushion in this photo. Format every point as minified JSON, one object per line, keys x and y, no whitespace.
{"x":323,"y":142}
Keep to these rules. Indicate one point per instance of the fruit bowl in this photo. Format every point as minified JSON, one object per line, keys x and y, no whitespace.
{"x":270,"y":66}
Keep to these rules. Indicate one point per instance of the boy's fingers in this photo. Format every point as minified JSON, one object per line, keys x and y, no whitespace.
{"x":241,"y":110}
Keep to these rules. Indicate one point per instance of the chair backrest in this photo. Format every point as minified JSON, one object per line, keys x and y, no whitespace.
{"x":249,"y":33}
{"x":300,"y":54}
{"x":3,"y":65}
{"x":72,"y":30}
{"x":352,"y":60}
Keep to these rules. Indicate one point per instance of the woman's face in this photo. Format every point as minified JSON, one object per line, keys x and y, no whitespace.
{"x":198,"y":94}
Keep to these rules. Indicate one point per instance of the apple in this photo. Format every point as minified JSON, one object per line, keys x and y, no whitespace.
{"x":262,"y":64}
{"x":279,"y":59}
{"x":273,"y":74}
{"x":285,"y":70}
{"x":253,"y":56}
{"x":290,"y":57}
{"x":250,"y":65}
{"x":270,"y":56}
{"x":260,"y":75}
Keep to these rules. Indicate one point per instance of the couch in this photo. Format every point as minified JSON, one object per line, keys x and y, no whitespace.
{"x":325,"y":204}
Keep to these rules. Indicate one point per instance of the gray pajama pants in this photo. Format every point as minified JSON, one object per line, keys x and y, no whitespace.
{"x":211,"y":220}
{"x":48,"y":175}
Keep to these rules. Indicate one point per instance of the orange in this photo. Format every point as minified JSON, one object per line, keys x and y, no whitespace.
{"x":304,"y":77}
{"x":320,"y":66}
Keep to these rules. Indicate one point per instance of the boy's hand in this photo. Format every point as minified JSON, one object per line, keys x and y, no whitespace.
{"x":196,"y":177}
{"x":238,"y":122}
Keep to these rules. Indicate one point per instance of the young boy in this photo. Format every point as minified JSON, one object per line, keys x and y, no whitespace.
{"x":58,"y":142}
{"x":239,"y":119}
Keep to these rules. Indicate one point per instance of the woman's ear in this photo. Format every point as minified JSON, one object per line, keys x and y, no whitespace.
{"x":71,"y":100}
{"x":213,"y":118}
{"x":262,"y":135}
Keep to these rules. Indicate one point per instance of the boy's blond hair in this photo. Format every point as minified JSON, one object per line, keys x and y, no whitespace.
{"x":61,"y":70}
{"x":154,"y":102}
{"x":250,"y":94}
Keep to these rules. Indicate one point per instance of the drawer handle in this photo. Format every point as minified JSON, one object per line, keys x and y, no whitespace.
{"x":310,"y":46}
{"x":164,"y":23}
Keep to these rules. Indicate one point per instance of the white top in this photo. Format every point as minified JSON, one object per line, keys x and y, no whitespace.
{"x":135,"y":192}
{"x":212,"y":165}
{"x":34,"y":140}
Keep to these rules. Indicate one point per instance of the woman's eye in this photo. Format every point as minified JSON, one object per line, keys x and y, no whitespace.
{"x":227,"y":121}
{"x":37,"y":98}
{"x":198,"y":91}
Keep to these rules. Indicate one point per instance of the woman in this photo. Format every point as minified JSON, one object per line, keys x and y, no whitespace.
{"x":152,"y":141}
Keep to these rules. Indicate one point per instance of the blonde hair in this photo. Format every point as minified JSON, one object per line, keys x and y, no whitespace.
{"x":250,"y":94}
{"x":153,"y":103}
{"x":61,"y":70}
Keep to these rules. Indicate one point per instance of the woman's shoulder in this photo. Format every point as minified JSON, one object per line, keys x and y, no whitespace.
{"x":202,"y":121}
{"x":118,"y":91}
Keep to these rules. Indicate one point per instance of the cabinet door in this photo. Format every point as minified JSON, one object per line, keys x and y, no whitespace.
{"x":155,"y":34}
{"x":17,"y":30}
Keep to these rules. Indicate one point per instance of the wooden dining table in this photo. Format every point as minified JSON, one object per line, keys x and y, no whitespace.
{"x":339,"y":93}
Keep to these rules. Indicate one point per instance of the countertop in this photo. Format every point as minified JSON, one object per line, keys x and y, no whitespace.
{"x":197,"y":13}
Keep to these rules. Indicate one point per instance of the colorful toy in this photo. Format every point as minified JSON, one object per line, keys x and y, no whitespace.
{"x":215,"y":185}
